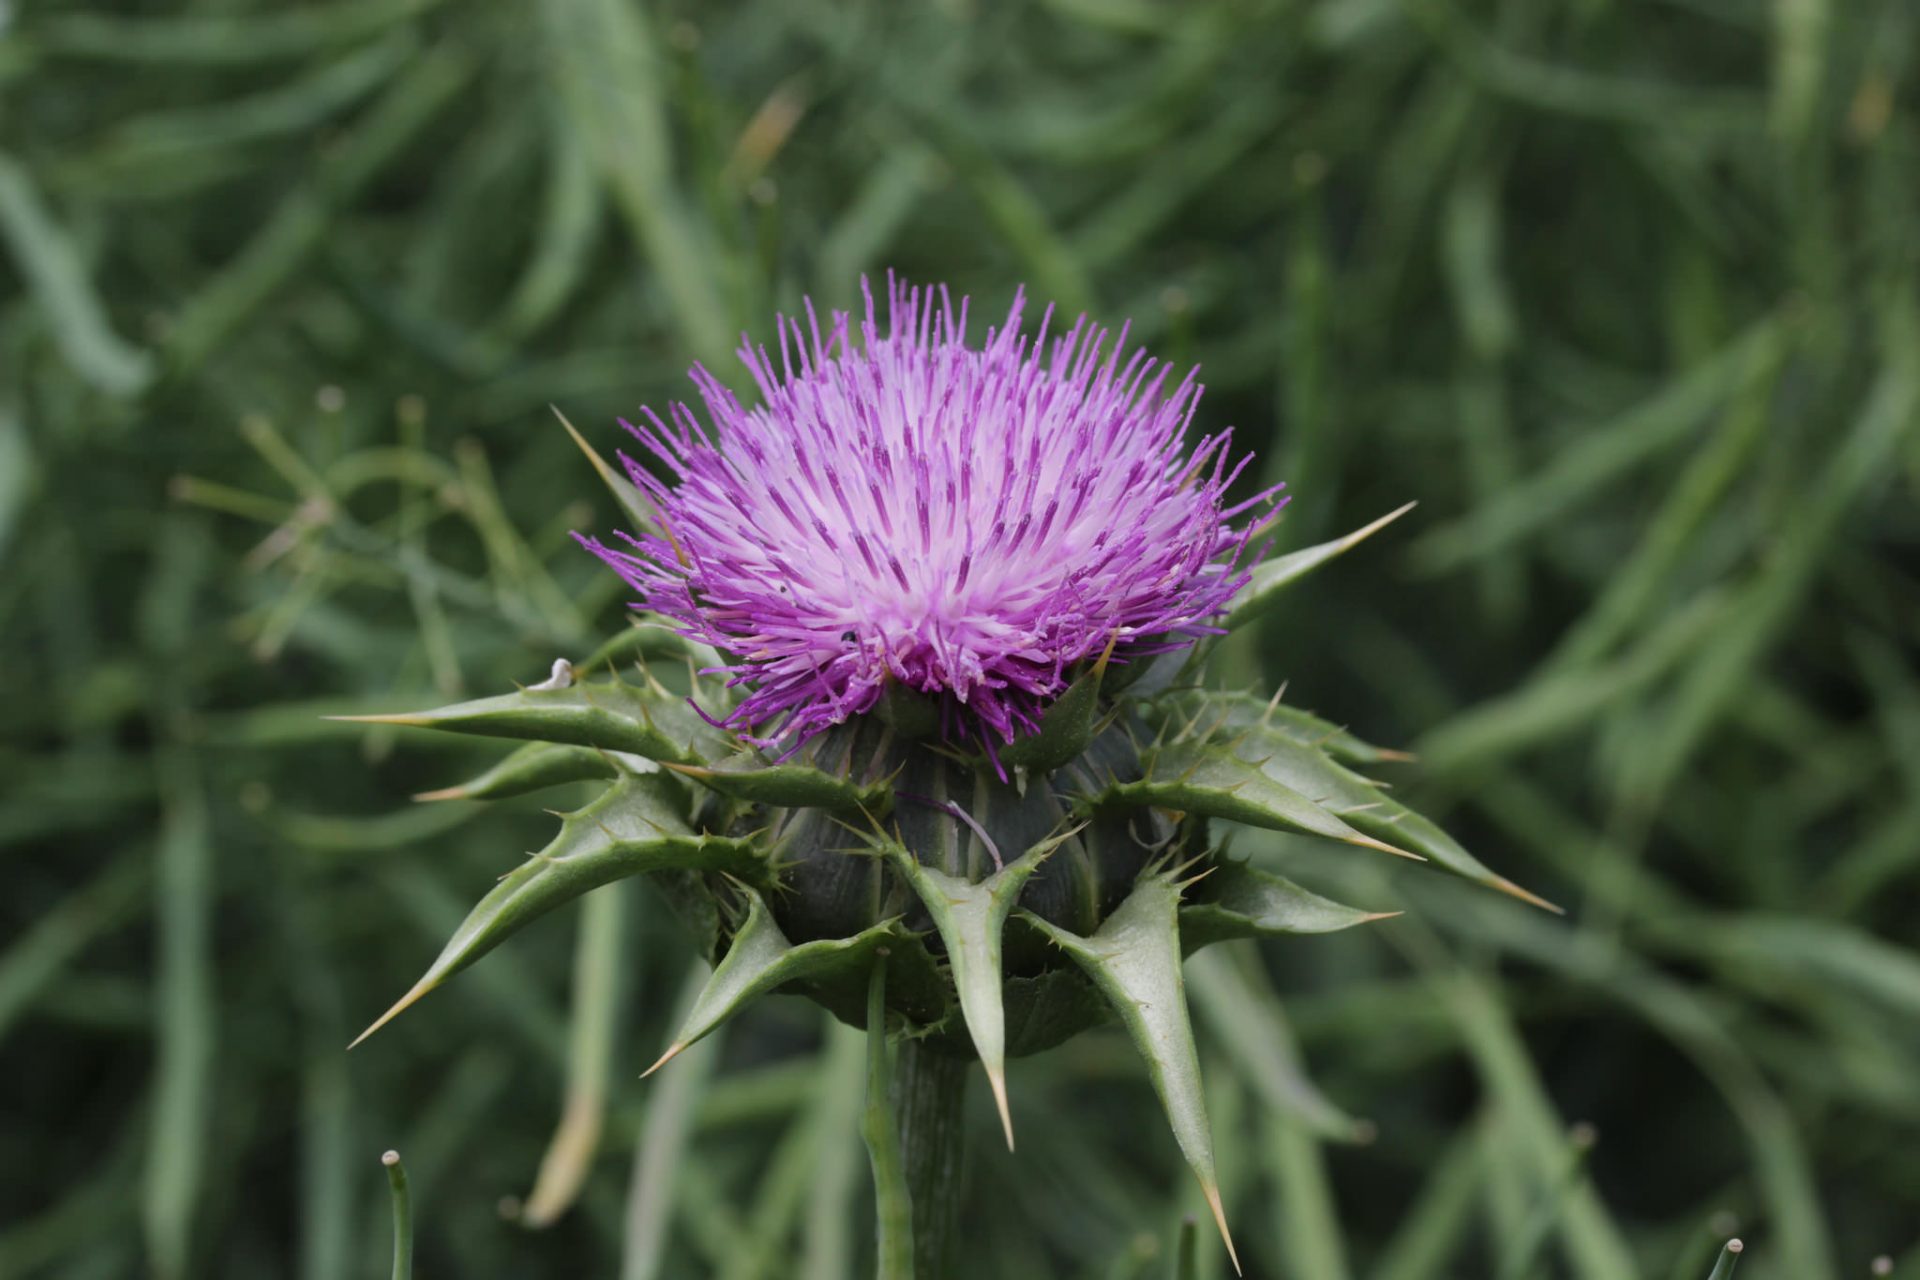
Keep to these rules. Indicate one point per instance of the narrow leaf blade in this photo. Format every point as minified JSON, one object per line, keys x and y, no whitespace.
{"x":970,"y":918}
{"x":534,"y":767}
{"x":1281,"y":757}
{"x":1210,"y":711}
{"x":1364,"y":805}
{"x":632,"y":829}
{"x":1215,"y":783}
{"x":651,"y":723}
{"x":632,"y":502}
{"x":1271,"y":578}
{"x":761,"y":959}
{"x":1239,"y":1005}
{"x":1239,"y":901}
{"x":788,"y":784}
{"x":1134,"y":958}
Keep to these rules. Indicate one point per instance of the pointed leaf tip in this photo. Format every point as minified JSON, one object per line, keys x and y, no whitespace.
{"x":606,"y":716}
{"x":997,"y":1081}
{"x":400,"y":1006}
{"x":632,"y":829}
{"x":761,"y":959}
{"x":1527,"y":896}
{"x":1134,"y":959}
{"x":1220,"y":1221}
{"x":674,"y":1050}
{"x":1242,"y":901}
{"x":1272,"y":577}
{"x":631,"y":500}
{"x":1211,"y":780}
{"x":1235,"y":752}
{"x":970,"y":919}
{"x":1369,"y":842}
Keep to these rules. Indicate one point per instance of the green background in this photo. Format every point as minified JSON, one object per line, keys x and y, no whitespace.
{"x":1623,"y":292}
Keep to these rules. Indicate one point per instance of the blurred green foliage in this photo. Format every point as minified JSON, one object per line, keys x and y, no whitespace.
{"x":1622,"y":291}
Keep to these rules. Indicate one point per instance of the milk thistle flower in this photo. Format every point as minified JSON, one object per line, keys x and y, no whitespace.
{"x":970,"y":523}
{"x":938,"y":756}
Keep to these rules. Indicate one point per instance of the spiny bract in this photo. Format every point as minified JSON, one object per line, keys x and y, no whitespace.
{"x":932,"y":618}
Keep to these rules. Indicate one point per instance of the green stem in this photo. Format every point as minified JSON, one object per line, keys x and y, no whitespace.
{"x":929,"y":1097}
{"x":402,"y":1216}
{"x":1729,"y":1258}
{"x":893,"y":1199}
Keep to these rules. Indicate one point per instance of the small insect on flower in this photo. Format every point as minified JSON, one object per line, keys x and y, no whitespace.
{"x":902,"y":507}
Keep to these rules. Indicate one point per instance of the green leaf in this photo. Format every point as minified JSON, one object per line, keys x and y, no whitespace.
{"x":1239,"y":901}
{"x":647,"y":635}
{"x":1206,"y":713}
{"x":1281,"y":757}
{"x":1213,"y":782}
{"x":1066,"y":727}
{"x":591,"y":52}
{"x":761,"y":959}
{"x":1186,"y":1251}
{"x":970,"y":918}
{"x":50,"y":262}
{"x":530,"y":768}
{"x":1238,"y":1004}
{"x":1134,"y":959}
{"x":650,"y":722}
{"x":633,"y":503}
{"x":789,"y":785}
{"x":1274,"y":576}
{"x":1729,"y":1258}
{"x":1425,"y":836}
{"x":599,"y":961}
{"x":634,"y":828}
{"x":661,"y":1189}
{"x":1364,"y":805}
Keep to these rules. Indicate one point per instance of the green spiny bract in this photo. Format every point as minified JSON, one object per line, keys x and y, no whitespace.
{"x":1017,"y":902}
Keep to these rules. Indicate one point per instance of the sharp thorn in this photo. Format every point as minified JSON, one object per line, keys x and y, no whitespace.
{"x":997,"y":1081}
{"x":1220,"y":1221}
{"x":420,"y":988}
{"x":690,"y":770}
{"x":1384,"y":847}
{"x":673,"y":1051}
{"x":1511,"y":889}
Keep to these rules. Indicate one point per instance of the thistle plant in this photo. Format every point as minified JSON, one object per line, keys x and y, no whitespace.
{"x":911,"y":721}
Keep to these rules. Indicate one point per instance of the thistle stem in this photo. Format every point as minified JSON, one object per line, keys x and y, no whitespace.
{"x":892,"y":1196}
{"x":929,"y":1097}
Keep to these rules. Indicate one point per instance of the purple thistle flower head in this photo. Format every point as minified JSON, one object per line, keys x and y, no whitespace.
{"x":905,"y":509}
